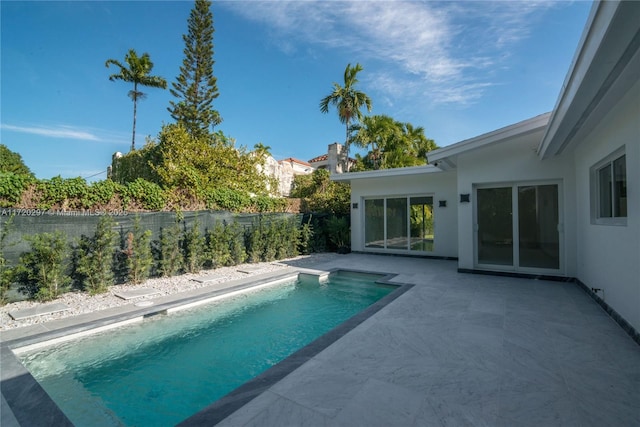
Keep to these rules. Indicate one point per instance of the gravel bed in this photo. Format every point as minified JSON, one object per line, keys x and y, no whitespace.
{"x":81,"y":302}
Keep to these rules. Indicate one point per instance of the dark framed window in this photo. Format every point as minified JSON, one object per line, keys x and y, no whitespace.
{"x":609,"y":190}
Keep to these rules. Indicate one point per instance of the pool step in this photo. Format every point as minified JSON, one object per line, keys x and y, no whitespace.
{"x":39,"y":310}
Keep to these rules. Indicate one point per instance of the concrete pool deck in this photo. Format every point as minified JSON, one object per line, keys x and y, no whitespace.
{"x":455,"y":349}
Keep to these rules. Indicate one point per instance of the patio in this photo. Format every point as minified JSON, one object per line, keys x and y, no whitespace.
{"x":460,"y":349}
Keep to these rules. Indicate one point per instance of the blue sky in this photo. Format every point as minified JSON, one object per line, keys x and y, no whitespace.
{"x":458,"y":69}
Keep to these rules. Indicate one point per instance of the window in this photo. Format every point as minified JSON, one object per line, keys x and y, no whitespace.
{"x":609,"y":190}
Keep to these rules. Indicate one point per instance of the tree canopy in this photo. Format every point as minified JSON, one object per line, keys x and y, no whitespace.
{"x":321,"y":194}
{"x":202,"y":163}
{"x":391,"y":144}
{"x":196,"y":86}
{"x":138,"y":72}
{"x":12,"y":162}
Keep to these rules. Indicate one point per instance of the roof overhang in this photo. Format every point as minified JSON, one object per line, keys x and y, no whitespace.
{"x":605,"y":66}
{"x":385,"y":173}
{"x":446,"y":158}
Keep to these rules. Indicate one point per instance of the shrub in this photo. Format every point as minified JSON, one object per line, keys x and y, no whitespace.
{"x":227,"y":199}
{"x":194,"y":248}
{"x":138,"y":255}
{"x":5,"y":271}
{"x":268,"y":240}
{"x":338,"y":232}
{"x":320,"y":194}
{"x":235,"y":237}
{"x":171,"y":258}
{"x":135,"y":164}
{"x":218,"y":246}
{"x":102,"y":192}
{"x":68,"y":192}
{"x":271,"y":240}
{"x":148,"y":194}
{"x":269,"y":204}
{"x":95,"y":257}
{"x":305,"y":236}
{"x":41,"y":272}
{"x":12,"y":185}
{"x":255,"y":241}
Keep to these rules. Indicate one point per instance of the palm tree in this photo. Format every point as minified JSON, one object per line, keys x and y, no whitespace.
{"x":420,"y":144}
{"x":348,"y":100}
{"x":376,"y":132}
{"x":139,"y":68}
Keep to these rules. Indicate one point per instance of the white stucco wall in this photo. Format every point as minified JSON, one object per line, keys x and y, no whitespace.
{"x":609,"y":255}
{"x":441,"y":185}
{"x":509,"y":162}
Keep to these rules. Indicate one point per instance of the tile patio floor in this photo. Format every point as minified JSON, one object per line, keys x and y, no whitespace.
{"x":464,"y":350}
{"x":458,"y":350}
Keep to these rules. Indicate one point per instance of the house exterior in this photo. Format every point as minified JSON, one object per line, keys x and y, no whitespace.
{"x":556,"y":195}
{"x":285,"y":170}
{"x":335,"y":161}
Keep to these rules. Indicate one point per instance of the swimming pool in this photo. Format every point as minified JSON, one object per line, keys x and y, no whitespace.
{"x":165,"y":369}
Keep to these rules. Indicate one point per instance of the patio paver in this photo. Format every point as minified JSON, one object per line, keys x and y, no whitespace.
{"x":40,"y":310}
{"x":248,"y":269}
{"x":206,"y":279}
{"x":137,"y":293}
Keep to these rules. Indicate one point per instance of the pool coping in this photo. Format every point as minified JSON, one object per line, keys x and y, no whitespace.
{"x":25,"y":402}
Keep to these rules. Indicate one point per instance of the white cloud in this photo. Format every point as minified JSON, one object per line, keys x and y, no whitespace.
{"x":65,"y":132}
{"x":445,"y":49}
{"x":57,"y":132}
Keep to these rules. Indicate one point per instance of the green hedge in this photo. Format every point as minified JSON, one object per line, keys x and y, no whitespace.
{"x":93,"y":263}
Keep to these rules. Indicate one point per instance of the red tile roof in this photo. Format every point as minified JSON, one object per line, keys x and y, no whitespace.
{"x":319,"y":158}
{"x":294,"y":160}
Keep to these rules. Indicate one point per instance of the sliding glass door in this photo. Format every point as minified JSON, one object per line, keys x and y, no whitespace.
{"x":397,"y":233}
{"x":495,"y":226}
{"x":399,"y":223}
{"x":421,"y":223}
{"x":538,"y":232}
{"x":518,"y":227}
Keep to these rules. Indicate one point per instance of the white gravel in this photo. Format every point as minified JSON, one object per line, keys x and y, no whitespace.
{"x":81,"y":302}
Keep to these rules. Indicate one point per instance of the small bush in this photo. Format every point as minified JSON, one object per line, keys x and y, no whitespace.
{"x":6,"y":272}
{"x":41,"y":272}
{"x":255,"y":241}
{"x":272,"y":241}
{"x":218,"y":246}
{"x":194,"y":248}
{"x":95,"y":257}
{"x":137,"y":251}
{"x":235,"y":237}
{"x":305,"y":236}
{"x":338,"y":232}
{"x":171,"y":258}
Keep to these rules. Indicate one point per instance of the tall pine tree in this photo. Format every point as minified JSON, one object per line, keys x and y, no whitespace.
{"x":195,"y":88}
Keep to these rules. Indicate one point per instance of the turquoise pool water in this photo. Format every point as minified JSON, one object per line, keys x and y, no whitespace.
{"x":161,"y":371}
